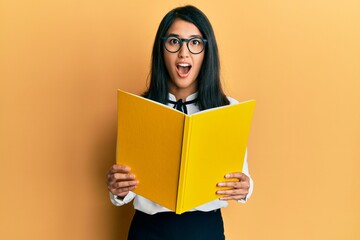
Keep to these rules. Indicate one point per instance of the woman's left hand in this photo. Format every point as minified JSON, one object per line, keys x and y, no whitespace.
{"x":237,"y":190}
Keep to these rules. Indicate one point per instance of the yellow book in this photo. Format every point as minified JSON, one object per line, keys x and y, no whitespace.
{"x":178,"y":158}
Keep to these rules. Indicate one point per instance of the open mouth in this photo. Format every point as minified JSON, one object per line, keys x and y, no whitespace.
{"x":183,"y":69}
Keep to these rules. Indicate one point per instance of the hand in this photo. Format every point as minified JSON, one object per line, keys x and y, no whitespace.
{"x":237,"y":190}
{"x":120,"y":181}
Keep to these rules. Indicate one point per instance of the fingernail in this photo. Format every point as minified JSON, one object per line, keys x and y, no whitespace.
{"x":227,"y":175}
{"x":221,"y":184}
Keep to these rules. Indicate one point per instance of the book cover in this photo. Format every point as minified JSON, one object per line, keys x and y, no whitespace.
{"x":178,"y":158}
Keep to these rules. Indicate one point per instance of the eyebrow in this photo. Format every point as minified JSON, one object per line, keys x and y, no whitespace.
{"x":177,"y":35}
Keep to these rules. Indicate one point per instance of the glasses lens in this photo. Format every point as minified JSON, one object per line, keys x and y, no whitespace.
{"x":172,"y":44}
{"x":196,"y":45}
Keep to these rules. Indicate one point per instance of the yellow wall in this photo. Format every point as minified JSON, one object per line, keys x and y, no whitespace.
{"x":62,"y":61}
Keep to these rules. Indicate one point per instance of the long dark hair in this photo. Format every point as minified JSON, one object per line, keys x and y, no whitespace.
{"x":210,"y":93}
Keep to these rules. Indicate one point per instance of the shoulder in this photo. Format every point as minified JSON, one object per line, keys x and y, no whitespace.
{"x":232,"y":100}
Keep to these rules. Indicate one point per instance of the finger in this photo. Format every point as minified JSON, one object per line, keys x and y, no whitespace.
{"x":124,"y":184}
{"x":119,"y":187}
{"x":115,"y":177}
{"x":232,"y":192}
{"x":122,"y":192}
{"x":237,"y":194}
{"x":237,"y":185}
{"x":238,"y":175}
{"x":122,"y":176}
{"x":118,"y":168}
{"x":228,"y":184}
{"x":237,"y":197}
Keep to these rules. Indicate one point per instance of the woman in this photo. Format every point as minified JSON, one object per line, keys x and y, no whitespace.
{"x":184,"y":75}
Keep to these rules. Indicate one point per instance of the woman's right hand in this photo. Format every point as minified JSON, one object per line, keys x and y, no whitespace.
{"x":120,"y":181}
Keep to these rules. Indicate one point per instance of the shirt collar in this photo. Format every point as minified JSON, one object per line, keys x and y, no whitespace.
{"x":189,"y":98}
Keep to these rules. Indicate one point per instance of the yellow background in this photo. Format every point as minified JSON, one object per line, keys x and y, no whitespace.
{"x":62,"y":61}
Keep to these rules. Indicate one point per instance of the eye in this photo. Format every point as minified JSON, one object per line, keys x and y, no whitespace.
{"x":196,"y":41}
{"x":173,"y":41}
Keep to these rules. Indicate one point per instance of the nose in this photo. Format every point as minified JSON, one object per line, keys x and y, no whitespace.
{"x":184,"y":51}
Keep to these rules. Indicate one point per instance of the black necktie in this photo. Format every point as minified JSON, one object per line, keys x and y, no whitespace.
{"x":181,"y":106}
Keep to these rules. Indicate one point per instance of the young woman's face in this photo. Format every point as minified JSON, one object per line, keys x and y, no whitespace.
{"x":183,"y":66}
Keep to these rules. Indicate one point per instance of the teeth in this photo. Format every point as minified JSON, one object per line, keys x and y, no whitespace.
{"x":184,"y":65}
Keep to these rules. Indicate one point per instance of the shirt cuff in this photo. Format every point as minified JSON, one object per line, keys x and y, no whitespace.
{"x":117,"y":201}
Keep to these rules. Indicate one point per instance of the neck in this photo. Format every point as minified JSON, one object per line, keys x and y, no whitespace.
{"x":181,"y":94}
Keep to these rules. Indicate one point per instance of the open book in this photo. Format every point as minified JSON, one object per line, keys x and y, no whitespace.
{"x":178,"y":158}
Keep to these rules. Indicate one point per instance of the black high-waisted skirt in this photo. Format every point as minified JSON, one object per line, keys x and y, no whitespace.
{"x":195,"y":225}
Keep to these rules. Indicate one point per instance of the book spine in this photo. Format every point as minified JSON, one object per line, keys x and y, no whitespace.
{"x":183,"y":165}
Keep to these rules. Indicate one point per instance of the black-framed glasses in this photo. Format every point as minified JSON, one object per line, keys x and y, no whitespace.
{"x":173,"y":44}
